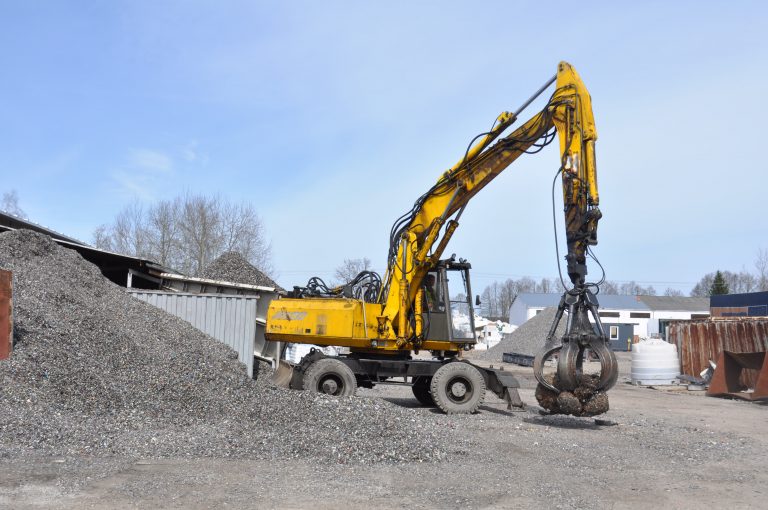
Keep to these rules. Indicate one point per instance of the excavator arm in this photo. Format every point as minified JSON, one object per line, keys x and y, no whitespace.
{"x":419,"y":238}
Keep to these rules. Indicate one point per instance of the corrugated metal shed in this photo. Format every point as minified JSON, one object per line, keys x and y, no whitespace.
{"x":701,"y":341}
{"x":236,"y":320}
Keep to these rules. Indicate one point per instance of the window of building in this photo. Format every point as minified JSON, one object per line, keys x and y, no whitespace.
{"x":614,"y":332}
{"x":608,"y":314}
{"x":639,"y":315}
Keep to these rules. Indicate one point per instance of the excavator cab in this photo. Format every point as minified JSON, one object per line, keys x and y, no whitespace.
{"x":448,"y":312}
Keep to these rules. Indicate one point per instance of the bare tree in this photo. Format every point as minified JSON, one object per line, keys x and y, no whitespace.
{"x":102,"y":238}
{"x":188,"y":232}
{"x":672,"y":292}
{"x":350,"y":268}
{"x":10,"y":204}
{"x":761,"y":264}
{"x":163,"y":231}
{"x":609,"y":287}
{"x":128,"y":231}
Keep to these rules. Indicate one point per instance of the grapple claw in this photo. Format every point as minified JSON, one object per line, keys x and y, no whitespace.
{"x":569,"y":366}
{"x":538,"y":365}
{"x":570,"y":385}
{"x":609,"y":367}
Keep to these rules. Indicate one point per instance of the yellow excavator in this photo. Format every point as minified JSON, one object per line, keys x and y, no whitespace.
{"x":423,"y":302}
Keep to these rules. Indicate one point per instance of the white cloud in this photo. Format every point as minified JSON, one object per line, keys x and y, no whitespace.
{"x":151,"y":160}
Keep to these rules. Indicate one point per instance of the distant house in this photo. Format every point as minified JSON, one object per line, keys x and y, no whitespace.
{"x":623,"y":317}
{"x":490,"y":332}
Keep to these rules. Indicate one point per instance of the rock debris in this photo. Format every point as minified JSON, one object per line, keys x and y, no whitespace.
{"x":97,"y":372}
{"x":528,"y":338}
{"x":233,"y":267}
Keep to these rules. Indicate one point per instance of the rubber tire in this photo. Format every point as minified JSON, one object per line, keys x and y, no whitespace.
{"x":422,"y":392}
{"x":321,"y":369}
{"x":446,"y":376}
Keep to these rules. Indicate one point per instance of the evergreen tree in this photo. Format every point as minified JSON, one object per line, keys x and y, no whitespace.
{"x":719,"y":285}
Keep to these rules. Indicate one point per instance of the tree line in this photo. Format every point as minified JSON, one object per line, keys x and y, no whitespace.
{"x":188,"y":232}
{"x":728,"y":282}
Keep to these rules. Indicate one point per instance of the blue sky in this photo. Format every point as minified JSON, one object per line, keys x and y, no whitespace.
{"x":332,"y":117}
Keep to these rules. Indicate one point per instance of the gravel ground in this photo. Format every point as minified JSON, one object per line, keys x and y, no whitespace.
{"x":98,"y":373}
{"x":233,"y":267}
{"x":665,"y":448}
{"x":527,"y":339}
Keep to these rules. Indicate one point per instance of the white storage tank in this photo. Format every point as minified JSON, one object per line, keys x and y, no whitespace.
{"x":654,"y":362}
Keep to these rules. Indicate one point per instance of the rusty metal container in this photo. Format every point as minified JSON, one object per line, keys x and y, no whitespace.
{"x":6,"y":313}
{"x":704,"y":340}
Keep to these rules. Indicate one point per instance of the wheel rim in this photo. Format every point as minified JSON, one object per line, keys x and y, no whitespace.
{"x":459,"y":390}
{"x":331,"y":385}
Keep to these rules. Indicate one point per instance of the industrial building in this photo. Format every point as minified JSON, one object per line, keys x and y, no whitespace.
{"x":625,"y":318}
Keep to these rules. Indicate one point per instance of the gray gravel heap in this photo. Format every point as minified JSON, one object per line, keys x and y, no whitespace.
{"x":233,"y":267}
{"x":528,"y":338}
{"x":98,"y":372}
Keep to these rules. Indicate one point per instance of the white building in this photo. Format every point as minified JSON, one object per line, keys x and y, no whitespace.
{"x":624,"y":317}
{"x":489,"y":333}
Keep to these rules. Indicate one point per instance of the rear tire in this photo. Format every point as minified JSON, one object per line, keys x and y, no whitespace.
{"x":331,"y":377}
{"x":422,"y":392}
{"x":458,"y":388}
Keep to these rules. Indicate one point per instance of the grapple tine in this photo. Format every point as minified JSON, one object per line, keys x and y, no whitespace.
{"x":569,"y":366}
{"x":540,"y":358}
{"x":609,"y":367}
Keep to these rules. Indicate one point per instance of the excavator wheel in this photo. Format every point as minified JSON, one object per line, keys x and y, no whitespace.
{"x":421,"y":391}
{"x":458,"y":388}
{"x":330,"y":376}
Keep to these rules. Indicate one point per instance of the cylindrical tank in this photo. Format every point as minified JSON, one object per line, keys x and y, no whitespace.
{"x":654,"y":362}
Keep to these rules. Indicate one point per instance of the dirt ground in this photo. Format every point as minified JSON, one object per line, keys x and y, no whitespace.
{"x":668,"y":448}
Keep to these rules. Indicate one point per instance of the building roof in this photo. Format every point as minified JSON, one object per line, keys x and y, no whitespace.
{"x":10,"y":221}
{"x":676,"y":303}
{"x":621,"y":302}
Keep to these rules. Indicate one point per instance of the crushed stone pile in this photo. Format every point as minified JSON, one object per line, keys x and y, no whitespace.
{"x":528,"y":338}
{"x":97,"y":372}
{"x":233,"y":267}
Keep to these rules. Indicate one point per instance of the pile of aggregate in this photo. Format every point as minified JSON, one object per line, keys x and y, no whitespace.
{"x":97,"y":372}
{"x":233,"y":267}
{"x":528,"y":338}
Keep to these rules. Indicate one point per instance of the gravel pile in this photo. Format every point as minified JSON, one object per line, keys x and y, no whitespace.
{"x":528,"y":338}
{"x":233,"y":267}
{"x":97,"y":372}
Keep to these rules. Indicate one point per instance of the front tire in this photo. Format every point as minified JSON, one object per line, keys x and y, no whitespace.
{"x":331,"y":377}
{"x":458,"y":388}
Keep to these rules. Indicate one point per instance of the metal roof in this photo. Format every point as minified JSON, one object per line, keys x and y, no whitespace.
{"x":607,"y":302}
{"x":621,"y":302}
{"x":676,"y":303}
{"x":10,"y":221}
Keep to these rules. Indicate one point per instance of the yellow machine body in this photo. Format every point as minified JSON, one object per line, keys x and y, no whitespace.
{"x":337,"y":321}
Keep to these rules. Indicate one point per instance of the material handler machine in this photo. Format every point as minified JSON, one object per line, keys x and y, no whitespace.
{"x":423,"y":302}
